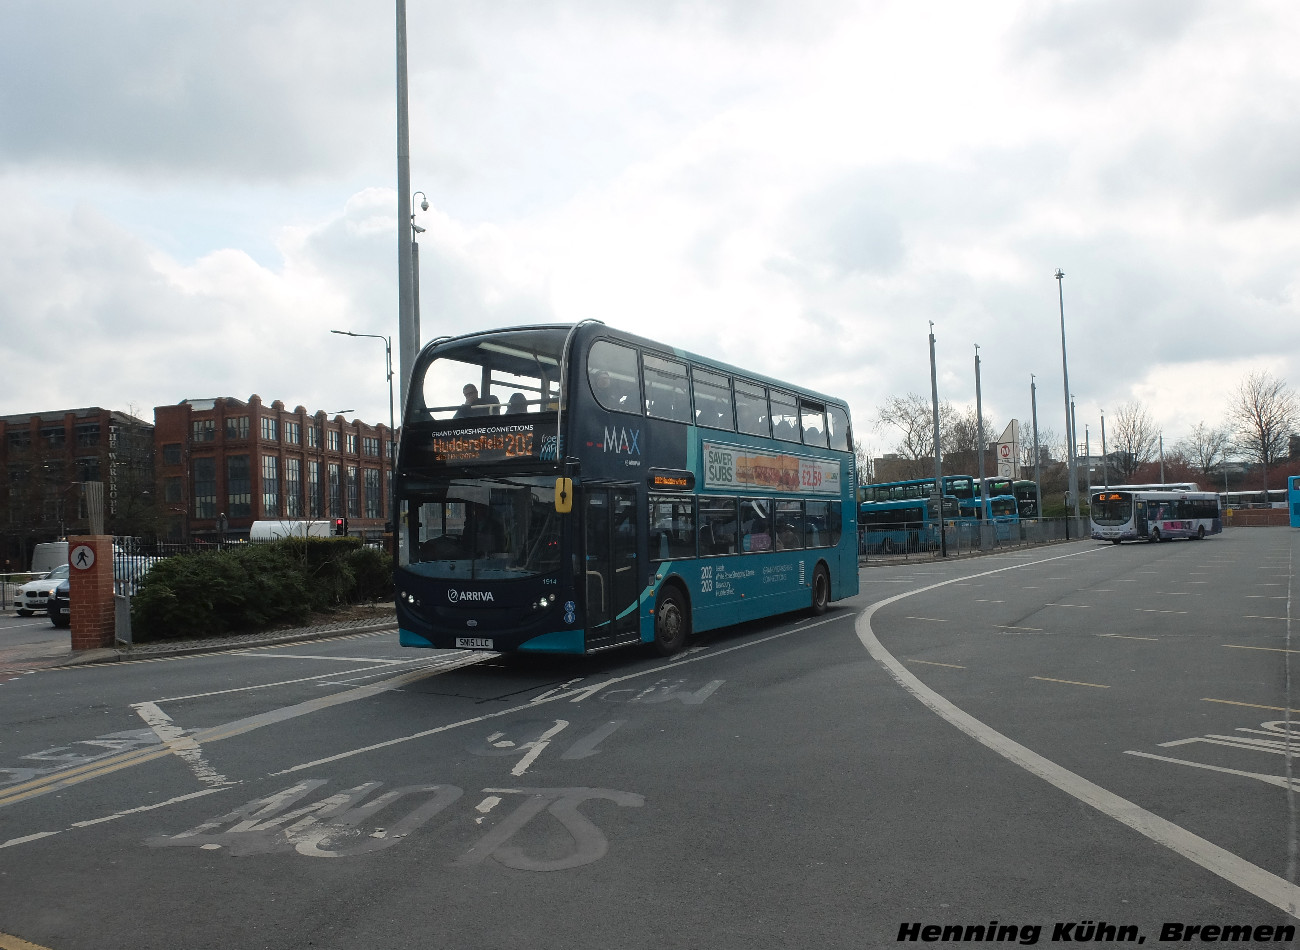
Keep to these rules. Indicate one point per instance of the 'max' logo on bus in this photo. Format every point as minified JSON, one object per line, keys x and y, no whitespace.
{"x":621,"y":441}
{"x":458,"y":595}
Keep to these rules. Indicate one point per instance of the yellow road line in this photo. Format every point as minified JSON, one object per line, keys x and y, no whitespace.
{"x":950,"y":666}
{"x":9,"y":942}
{"x":1229,"y":702}
{"x":1071,"y":682}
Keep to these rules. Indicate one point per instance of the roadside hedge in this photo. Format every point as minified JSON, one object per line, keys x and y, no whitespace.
{"x":254,"y":586}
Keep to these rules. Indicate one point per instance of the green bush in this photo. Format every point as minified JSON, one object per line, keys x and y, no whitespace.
{"x":254,"y":586}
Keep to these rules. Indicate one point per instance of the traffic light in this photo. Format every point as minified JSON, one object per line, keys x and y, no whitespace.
{"x":340,"y":526}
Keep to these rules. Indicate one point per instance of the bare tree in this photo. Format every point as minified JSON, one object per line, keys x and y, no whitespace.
{"x":962,"y":443}
{"x":864,"y":455}
{"x":1206,"y":448}
{"x":1049,"y":444}
{"x":1133,"y":439}
{"x":1264,"y":412}
{"x":912,"y":418}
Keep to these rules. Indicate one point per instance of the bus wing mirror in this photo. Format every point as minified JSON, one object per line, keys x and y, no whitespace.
{"x":564,"y":495}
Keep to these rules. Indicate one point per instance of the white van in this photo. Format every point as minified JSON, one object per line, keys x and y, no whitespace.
{"x":272,"y":530}
{"x":48,"y":556}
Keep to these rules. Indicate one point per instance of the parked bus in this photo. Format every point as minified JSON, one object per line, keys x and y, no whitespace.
{"x":1273,"y":498}
{"x":569,"y":489}
{"x":1024,"y":490}
{"x":1293,"y":499}
{"x":1122,"y":515}
{"x":961,"y":487}
{"x":903,"y":526}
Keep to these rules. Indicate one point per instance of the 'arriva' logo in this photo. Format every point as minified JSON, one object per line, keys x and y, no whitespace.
{"x":456,"y":596}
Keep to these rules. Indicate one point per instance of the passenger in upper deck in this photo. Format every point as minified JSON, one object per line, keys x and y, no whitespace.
{"x":475,"y":405}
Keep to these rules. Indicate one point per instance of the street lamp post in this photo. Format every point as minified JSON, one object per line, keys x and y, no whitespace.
{"x":1069,"y":421}
{"x":392,"y":433}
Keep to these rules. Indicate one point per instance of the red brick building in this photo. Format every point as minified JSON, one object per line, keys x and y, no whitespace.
{"x":46,"y":458}
{"x":222,"y":464}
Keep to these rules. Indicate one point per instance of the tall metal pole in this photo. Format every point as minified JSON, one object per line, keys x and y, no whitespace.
{"x":938,"y":463}
{"x":1038,"y":477}
{"x":408,"y":340}
{"x":1162,"y":458}
{"x":1069,"y":421}
{"x":1105,"y":469}
{"x":979,"y":430}
{"x":1087,"y":457}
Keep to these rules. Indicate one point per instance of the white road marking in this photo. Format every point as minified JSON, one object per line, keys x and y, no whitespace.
{"x":537,"y":748}
{"x":1269,"y":779}
{"x":26,"y":838}
{"x":1254,"y":617}
{"x":574,"y":696}
{"x":305,"y":656}
{"x":174,"y":737}
{"x":1275,"y":890}
{"x":142,"y":808}
{"x":951,"y":666}
{"x":1048,"y":679}
{"x":931,"y":619}
{"x":1120,"y":636}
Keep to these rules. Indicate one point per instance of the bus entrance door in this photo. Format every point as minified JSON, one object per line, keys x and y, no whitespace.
{"x":610,"y":536}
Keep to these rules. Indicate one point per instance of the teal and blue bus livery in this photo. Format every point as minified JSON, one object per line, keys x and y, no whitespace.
{"x":570,"y":489}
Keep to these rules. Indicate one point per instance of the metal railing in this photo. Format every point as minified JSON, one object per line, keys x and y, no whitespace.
{"x":917,"y":541}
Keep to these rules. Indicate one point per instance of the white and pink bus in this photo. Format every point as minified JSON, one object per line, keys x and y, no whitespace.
{"x":1127,"y":515}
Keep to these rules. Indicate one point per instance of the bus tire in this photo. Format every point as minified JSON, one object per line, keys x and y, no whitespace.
{"x":1114,"y":541}
{"x":821,"y":590}
{"x":1200,"y":532}
{"x":1155,"y":535}
{"x":672,"y":622}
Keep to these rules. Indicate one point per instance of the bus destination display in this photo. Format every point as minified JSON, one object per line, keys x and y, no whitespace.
{"x":484,"y":443}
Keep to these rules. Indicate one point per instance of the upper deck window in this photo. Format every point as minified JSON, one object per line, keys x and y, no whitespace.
{"x":666,"y":392}
{"x":837,"y":421}
{"x":751,"y":409}
{"x":712,"y":399}
{"x":612,"y":372}
{"x":785,"y":416}
{"x":509,"y":373}
{"x":813,"y":418}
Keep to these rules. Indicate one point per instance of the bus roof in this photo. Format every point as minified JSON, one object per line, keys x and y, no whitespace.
{"x":596,"y":328}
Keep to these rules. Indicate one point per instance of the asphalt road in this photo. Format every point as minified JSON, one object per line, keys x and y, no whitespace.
{"x":1082,"y":733}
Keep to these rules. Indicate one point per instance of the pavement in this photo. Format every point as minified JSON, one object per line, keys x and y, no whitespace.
{"x":54,"y":649}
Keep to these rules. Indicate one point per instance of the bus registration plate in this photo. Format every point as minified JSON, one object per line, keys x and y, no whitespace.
{"x":473,"y":643}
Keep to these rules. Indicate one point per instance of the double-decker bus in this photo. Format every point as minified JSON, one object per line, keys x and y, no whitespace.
{"x":904,"y":525}
{"x":569,"y":489}
{"x":1024,"y":490}
{"x":961,"y":487}
{"x":1128,"y":515}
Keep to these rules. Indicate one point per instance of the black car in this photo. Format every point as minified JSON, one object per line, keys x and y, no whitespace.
{"x":60,"y":605}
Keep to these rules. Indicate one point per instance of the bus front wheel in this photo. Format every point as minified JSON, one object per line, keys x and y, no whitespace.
{"x":1200,"y":533}
{"x":821,"y":590}
{"x":672,"y":623}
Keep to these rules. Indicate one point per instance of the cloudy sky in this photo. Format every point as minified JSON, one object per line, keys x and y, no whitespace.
{"x":194,"y":194}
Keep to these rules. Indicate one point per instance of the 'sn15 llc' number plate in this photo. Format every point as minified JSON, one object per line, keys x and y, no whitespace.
{"x":473,"y":643}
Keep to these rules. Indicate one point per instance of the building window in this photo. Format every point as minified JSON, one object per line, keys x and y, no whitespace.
{"x":237,"y":427}
{"x":172,"y":490}
{"x":87,"y":433}
{"x":172,"y":453}
{"x":334,"y":441}
{"x":354,"y":492}
{"x":205,"y":488}
{"x":313,"y":488}
{"x":270,"y":486}
{"x":313,"y":437}
{"x":21,"y":439}
{"x":270,"y":429}
{"x":88,"y":468}
{"x":54,"y":436}
{"x":292,"y":486}
{"x":336,"y":493}
{"x":372,"y":492}
{"x":370,"y":446}
{"x":293,"y":433}
{"x":205,"y":430}
{"x":352,"y":444}
{"x":239,"y":487}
